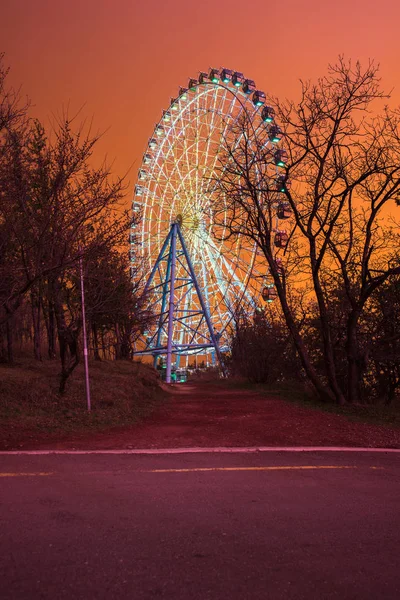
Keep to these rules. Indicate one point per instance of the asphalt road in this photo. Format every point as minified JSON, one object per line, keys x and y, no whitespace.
{"x":200,"y":526}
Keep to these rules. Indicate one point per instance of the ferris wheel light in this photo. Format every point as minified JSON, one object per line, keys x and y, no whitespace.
{"x":166,"y":116}
{"x":214,"y":75}
{"x":142,"y":174}
{"x":275,"y":134}
{"x":226,"y":75}
{"x":136,"y":206}
{"x":267,"y":114}
{"x":153,"y":143}
{"x":160,"y":130}
{"x":258,"y":98}
{"x":192,"y":84}
{"x":248,"y":86}
{"x":174,"y":105}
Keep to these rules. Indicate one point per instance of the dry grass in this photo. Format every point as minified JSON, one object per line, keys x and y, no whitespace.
{"x":121,"y":393}
{"x":376,"y":413}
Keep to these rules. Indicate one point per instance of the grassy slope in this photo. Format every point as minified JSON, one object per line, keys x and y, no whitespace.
{"x":374,"y":414}
{"x":121,"y":393}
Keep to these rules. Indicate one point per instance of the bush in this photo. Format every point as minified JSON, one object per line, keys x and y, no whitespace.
{"x":262,"y":351}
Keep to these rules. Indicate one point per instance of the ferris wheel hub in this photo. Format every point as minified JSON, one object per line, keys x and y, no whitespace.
{"x":189,"y":221}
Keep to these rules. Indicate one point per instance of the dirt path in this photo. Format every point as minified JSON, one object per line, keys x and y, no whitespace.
{"x":207,"y":415}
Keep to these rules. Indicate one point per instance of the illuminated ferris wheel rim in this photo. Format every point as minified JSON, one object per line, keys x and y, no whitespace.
{"x":240,"y":91}
{"x":161,"y":204}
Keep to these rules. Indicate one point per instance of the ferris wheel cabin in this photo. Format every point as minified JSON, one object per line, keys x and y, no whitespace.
{"x":249,"y":86}
{"x":281,"y":239}
{"x":269,"y":293}
{"x":268,"y":114}
{"x":259,"y":98}
{"x":284,"y":210}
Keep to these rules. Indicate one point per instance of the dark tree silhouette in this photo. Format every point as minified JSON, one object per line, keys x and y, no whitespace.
{"x":344,"y":169}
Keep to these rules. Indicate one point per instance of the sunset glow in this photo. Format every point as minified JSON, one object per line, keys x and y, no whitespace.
{"x":121,"y":61}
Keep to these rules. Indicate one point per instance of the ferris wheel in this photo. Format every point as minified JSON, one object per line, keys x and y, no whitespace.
{"x":174,"y":186}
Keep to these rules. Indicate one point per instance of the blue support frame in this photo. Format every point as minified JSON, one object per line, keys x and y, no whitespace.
{"x":165,"y":289}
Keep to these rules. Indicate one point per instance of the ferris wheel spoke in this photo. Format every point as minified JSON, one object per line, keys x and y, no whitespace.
{"x":235,"y":145}
{"x":224,"y":316}
{"x":220,"y":260}
{"x":212,"y":126}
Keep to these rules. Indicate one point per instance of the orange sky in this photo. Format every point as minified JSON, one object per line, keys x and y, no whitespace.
{"x":124,"y":59}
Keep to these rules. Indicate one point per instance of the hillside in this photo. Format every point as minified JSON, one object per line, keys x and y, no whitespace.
{"x":30,"y":406}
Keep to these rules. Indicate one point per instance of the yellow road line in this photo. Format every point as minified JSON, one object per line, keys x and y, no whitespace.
{"x":25,"y":474}
{"x":281,"y":468}
{"x":207,"y":469}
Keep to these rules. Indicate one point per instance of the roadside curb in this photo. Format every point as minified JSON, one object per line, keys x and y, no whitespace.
{"x":252,"y":449}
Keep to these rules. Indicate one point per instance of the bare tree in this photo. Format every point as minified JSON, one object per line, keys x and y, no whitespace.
{"x":56,"y":207}
{"x":115,"y":303}
{"x":344,"y":169}
{"x":12,"y":108}
{"x":13,"y":117}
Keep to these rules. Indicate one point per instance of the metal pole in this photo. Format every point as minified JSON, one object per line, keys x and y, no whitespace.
{"x":156,"y":264}
{"x":164,"y":299}
{"x":171,"y":302}
{"x":202,"y":303}
{"x":85,"y":348}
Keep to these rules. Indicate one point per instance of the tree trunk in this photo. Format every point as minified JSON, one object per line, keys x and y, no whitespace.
{"x":10,"y":345}
{"x":117,"y":342}
{"x":329,"y":359}
{"x":103,"y":344}
{"x":51,"y":332}
{"x":125,"y":353}
{"x":391,"y":392}
{"x":35,"y":309}
{"x":69,"y":355}
{"x":50,"y":321}
{"x":354,"y":359}
{"x":68,"y":342}
{"x":3,"y":345}
{"x":353,"y":380}
{"x":95,"y":337}
{"x":324,"y":393}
